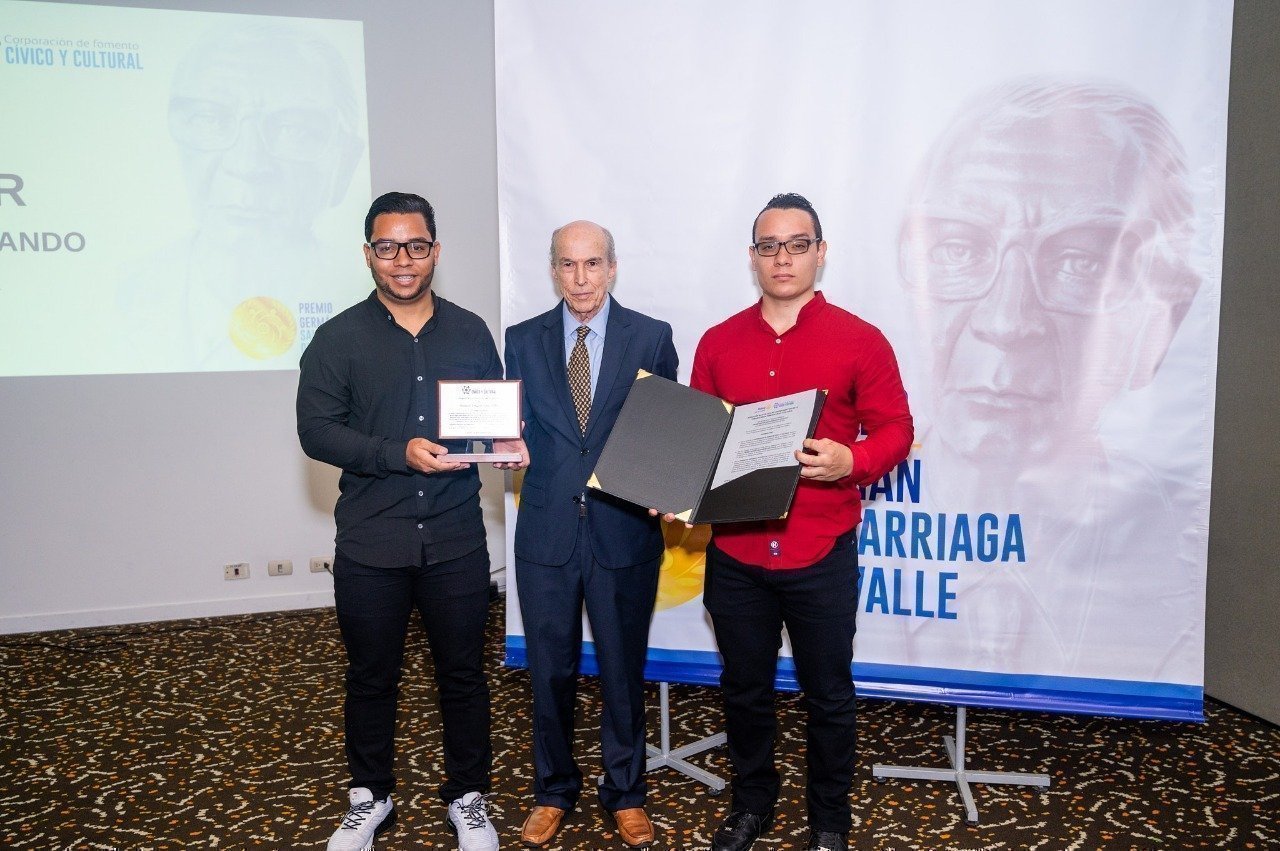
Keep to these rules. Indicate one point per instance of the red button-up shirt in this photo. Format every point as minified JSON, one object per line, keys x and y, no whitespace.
{"x":742,"y":360}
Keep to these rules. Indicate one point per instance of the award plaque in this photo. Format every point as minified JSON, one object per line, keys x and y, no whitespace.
{"x":479,"y":410}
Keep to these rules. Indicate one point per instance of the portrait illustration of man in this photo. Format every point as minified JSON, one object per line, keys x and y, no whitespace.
{"x":1046,"y":249}
{"x":268,"y":128}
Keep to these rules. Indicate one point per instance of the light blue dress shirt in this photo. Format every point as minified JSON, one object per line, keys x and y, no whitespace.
{"x":594,"y":341}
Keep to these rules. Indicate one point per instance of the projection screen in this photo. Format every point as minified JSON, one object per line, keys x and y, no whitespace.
{"x":181,"y":185}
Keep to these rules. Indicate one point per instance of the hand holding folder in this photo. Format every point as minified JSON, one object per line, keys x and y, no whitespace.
{"x":687,"y":453}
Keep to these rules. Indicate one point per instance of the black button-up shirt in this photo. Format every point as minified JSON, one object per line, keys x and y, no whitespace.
{"x":368,"y":386}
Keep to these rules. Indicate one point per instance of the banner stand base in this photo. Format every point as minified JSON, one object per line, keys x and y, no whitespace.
{"x":957,"y":773}
{"x":665,"y":757}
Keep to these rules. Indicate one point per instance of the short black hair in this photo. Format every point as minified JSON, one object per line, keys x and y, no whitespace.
{"x":400,"y":202}
{"x":789,"y":201}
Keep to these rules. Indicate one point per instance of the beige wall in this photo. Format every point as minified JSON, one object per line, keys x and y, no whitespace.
{"x":124,"y":495}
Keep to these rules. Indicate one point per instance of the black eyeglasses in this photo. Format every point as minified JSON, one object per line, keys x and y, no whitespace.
{"x":770,"y":247}
{"x":385,"y":249}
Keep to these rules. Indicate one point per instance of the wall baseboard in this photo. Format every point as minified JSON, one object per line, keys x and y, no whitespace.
{"x":166,"y":612}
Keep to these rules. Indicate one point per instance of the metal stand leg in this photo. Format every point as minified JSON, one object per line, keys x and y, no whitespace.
{"x":664,"y":757}
{"x":957,"y":773}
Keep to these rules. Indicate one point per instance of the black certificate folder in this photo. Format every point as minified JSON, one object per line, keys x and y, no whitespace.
{"x":682,"y":451}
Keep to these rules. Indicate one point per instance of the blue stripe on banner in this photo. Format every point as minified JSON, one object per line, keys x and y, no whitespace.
{"x":1038,"y":693}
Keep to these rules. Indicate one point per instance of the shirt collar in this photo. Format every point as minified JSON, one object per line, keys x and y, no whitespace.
{"x":811,"y":308}
{"x":382,"y":311}
{"x":597,"y":324}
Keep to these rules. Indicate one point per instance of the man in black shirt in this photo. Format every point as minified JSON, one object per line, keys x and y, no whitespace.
{"x":409,"y":528}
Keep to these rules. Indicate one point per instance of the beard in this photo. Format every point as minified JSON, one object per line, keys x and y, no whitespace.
{"x":386,"y":289}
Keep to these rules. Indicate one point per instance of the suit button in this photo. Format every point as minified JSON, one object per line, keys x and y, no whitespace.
{"x":586,"y":452}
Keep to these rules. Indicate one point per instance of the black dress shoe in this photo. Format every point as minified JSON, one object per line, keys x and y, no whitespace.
{"x":740,"y":830}
{"x":823,"y":840}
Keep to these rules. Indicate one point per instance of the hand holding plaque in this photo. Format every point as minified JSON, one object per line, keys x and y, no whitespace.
{"x":481,"y":410}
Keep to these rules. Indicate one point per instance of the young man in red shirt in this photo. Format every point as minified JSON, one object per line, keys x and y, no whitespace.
{"x":800,"y":572}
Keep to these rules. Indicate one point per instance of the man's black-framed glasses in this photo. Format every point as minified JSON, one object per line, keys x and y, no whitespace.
{"x":385,"y":249}
{"x":770,"y":247}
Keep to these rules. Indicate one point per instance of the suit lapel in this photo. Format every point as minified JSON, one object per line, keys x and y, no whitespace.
{"x":553,"y":347}
{"x":617,"y":337}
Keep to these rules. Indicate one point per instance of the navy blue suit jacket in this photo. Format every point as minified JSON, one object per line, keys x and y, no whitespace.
{"x":561,"y":457}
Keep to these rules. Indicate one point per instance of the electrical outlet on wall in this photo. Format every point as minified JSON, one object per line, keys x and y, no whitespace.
{"x":239,"y":570}
{"x":282,"y":567}
{"x":321,"y":564}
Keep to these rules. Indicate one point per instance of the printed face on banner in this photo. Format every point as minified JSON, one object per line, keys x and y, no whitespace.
{"x":1047,"y":245}
{"x":582,"y":268}
{"x":786,"y":276}
{"x":264,"y":119}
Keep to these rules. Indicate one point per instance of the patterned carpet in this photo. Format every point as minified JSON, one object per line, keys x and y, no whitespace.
{"x":227,"y":734}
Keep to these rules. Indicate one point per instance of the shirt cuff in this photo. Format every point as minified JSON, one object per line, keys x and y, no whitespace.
{"x":391,"y":456}
{"x":861,"y":463}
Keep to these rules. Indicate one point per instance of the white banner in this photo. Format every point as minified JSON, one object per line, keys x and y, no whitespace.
{"x":1027,"y":198}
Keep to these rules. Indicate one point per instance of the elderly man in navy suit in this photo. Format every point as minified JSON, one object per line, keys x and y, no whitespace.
{"x":577,"y":362}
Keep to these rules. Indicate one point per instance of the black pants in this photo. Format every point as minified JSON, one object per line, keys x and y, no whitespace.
{"x":373,"y":606}
{"x":818,"y":604}
{"x":619,"y":604}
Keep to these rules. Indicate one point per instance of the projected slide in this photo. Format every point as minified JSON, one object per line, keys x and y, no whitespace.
{"x":179,"y":191}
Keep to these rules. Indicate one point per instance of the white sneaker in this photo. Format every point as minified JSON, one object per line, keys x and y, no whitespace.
{"x":469,"y":818}
{"x":366,"y":819}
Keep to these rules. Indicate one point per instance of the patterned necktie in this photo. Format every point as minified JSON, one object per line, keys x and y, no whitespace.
{"x":580,"y":377}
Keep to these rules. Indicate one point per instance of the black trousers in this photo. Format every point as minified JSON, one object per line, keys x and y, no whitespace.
{"x":818,"y":605}
{"x":619,"y":605}
{"x":373,"y":607}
